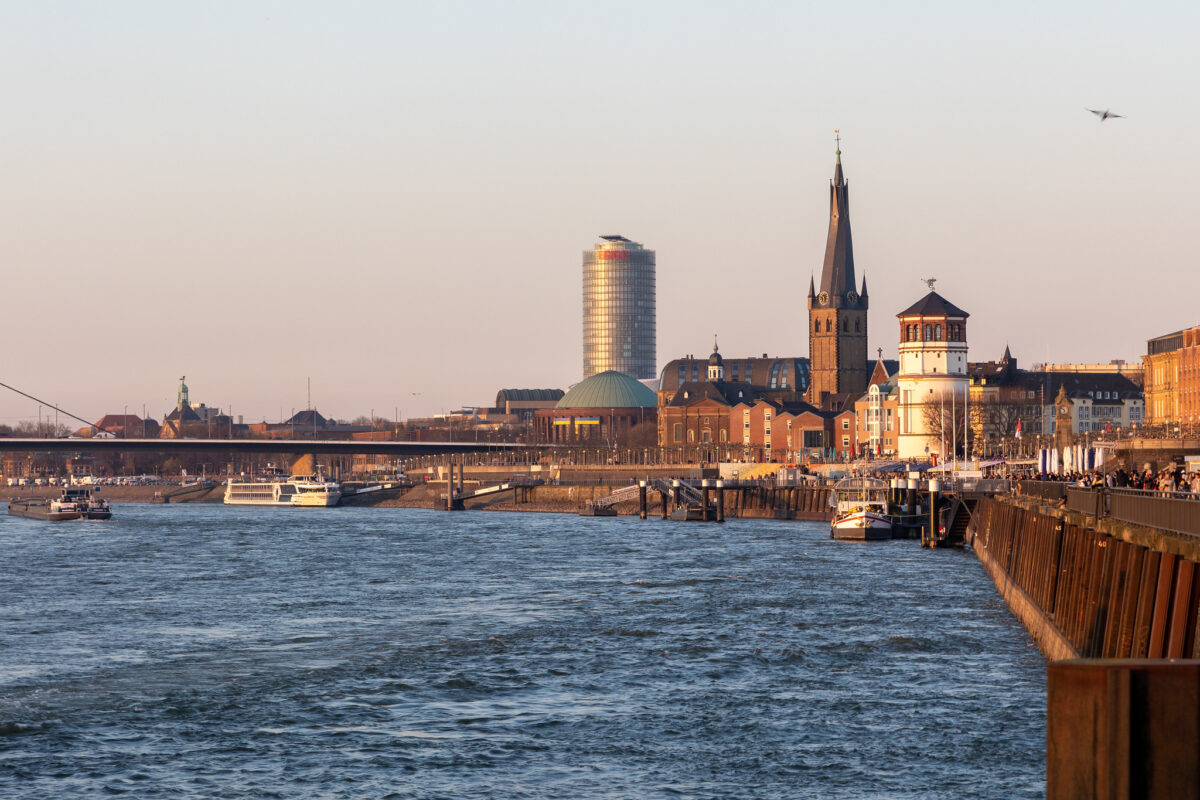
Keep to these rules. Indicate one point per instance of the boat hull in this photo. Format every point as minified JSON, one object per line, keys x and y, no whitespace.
{"x":861,"y":526}
{"x":40,"y":510}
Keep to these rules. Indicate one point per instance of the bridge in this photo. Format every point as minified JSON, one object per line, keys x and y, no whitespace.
{"x":302,"y":450}
{"x":295,"y":446}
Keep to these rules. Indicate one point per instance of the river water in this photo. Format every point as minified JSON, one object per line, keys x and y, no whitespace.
{"x":204,"y":651}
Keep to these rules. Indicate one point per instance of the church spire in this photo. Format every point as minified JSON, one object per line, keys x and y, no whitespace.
{"x":837,"y":272}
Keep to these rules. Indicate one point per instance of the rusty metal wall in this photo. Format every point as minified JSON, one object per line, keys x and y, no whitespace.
{"x":1122,"y":729}
{"x":1108,"y":597}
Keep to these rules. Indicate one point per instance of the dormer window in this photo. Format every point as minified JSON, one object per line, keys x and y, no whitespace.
{"x":685,"y":395}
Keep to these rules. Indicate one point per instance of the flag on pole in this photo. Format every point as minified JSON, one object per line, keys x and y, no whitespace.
{"x":1018,"y":428}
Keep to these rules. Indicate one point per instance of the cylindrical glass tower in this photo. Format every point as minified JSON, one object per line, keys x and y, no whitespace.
{"x":618,"y":309}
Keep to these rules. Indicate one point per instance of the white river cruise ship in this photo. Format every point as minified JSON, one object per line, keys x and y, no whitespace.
{"x":298,"y":490}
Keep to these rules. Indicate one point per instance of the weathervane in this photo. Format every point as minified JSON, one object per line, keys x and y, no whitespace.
{"x":929,"y":282}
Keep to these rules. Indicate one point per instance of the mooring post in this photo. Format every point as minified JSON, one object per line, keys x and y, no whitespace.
{"x":935,"y":488}
{"x":720,"y":500}
{"x":704,"y":501}
{"x":911,"y":500}
{"x":642,"y":499}
{"x":662,"y":495}
{"x":675,"y":493}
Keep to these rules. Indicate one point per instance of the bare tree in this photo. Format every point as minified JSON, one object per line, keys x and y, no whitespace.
{"x":40,"y":430}
{"x":994,"y":420}
{"x":949,"y":421}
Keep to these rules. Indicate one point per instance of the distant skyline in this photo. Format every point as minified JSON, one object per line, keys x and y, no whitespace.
{"x":392,"y":198}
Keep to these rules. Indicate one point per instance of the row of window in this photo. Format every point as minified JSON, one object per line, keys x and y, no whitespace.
{"x":829,"y":325}
{"x":933,"y":332}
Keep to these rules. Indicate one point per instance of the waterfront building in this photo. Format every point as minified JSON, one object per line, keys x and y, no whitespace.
{"x":1118,"y":366}
{"x":1002,"y":394}
{"x":932,"y":381}
{"x":619,"y":309}
{"x":877,"y":414}
{"x":785,"y":374}
{"x":122,"y":426}
{"x":522,"y":404}
{"x":1172,"y":380}
{"x":736,"y":417}
{"x":837,"y":313}
{"x":786,"y":432}
{"x":602,"y":410}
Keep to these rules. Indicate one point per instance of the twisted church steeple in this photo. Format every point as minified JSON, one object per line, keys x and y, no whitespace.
{"x":837,"y":330}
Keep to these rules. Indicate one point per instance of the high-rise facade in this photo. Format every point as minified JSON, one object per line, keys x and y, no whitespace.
{"x":619,"y":309}
{"x":837,"y":314}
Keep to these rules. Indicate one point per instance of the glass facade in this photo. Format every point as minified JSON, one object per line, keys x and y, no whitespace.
{"x":619,"y":309}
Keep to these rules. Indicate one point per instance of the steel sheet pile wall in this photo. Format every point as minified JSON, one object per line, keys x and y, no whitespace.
{"x":1107,"y":597}
{"x":764,"y":500}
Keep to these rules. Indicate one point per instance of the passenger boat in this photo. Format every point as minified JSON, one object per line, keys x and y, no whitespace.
{"x":296,"y":491}
{"x":90,"y":506}
{"x":44,"y":508}
{"x":861,"y":509}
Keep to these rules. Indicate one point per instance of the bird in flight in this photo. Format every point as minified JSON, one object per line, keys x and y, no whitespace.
{"x":1106,"y":114}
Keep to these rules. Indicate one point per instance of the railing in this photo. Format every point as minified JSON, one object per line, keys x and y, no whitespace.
{"x":1047,"y":490}
{"x":1170,"y":511}
{"x":1086,"y":500}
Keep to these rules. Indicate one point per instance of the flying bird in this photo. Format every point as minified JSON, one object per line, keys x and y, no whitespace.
{"x":1105,"y":114}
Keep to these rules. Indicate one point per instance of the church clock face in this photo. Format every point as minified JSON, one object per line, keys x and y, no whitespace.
{"x":823,"y":298}
{"x":1064,"y":411}
{"x":852,"y":296}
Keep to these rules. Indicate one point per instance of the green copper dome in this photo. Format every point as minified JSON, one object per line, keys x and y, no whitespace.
{"x":610,"y":389}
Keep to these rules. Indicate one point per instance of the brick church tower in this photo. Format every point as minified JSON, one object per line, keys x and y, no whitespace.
{"x":837,"y":314}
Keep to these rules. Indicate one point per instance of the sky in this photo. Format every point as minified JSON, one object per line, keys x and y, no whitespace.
{"x":391,"y":199}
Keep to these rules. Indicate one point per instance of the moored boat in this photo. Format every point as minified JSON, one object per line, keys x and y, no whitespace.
{"x":861,"y":510}
{"x":50,"y":509}
{"x":296,"y":491}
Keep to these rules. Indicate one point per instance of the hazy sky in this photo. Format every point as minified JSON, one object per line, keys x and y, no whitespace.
{"x":392,"y":198}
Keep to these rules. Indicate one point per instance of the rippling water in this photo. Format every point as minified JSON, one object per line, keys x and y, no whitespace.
{"x":201,"y":651}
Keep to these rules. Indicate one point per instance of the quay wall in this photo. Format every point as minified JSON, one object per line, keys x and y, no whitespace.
{"x":1087,"y":593}
{"x":750,"y":502}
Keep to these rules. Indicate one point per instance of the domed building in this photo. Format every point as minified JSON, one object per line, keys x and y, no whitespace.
{"x":599,"y":410}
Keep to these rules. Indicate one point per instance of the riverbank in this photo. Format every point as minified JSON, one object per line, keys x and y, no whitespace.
{"x":128,"y":494}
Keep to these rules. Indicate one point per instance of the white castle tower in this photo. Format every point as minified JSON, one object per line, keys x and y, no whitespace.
{"x":933,"y":380}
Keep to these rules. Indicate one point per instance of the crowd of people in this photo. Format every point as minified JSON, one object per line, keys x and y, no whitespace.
{"x":1171,"y":479}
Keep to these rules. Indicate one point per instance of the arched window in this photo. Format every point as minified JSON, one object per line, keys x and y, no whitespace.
{"x":828,"y":326}
{"x":845,"y":325}
{"x":691,"y":435}
{"x":928,"y":332}
{"x":817,"y":326}
{"x":857,"y":326}
{"x":937,"y":333}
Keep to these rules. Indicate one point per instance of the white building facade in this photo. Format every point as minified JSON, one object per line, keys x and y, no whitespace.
{"x":932,"y":382}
